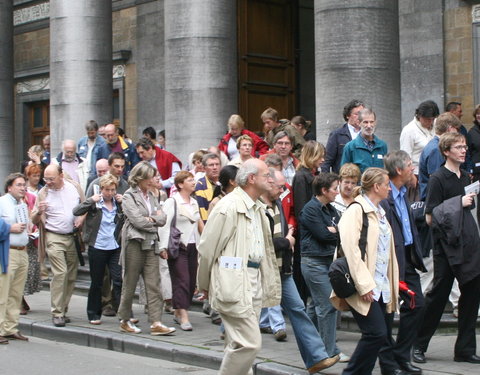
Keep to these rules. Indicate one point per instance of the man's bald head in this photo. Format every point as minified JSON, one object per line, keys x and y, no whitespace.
{"x":69,"y":148}
{"x":101,"y":167}
{"x":111,"y":133}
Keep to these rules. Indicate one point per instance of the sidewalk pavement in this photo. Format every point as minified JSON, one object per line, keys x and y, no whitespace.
{"x":203,"y":346}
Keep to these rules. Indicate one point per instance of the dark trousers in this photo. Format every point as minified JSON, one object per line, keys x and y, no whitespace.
{"x":98,"y":260}
{"x":374,"y":334}
{"x":394,"y":352}
{"x":183,"y":272}
{"x":436,"y":300}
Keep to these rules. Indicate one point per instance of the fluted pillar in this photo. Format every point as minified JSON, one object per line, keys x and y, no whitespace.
{"x":357,"y":57}
{"x":6,"y":88}
{"x":80,"y":67}
{"x":200,"y":72}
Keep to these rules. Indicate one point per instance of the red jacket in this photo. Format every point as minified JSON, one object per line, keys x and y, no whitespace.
{"x":287,"y":204}
{"x":260,"y":147}
{"x":164,"y":160}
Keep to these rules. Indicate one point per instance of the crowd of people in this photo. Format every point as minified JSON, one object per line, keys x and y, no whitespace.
{"x":251,"y":226}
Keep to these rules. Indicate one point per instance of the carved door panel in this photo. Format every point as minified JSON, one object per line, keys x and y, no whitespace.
{"x":266,"y":59}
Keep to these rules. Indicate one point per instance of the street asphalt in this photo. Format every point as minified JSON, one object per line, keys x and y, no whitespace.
{"x":203,"y":346}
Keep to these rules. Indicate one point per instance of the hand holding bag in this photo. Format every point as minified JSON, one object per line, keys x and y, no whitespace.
{"x":174,"y":242}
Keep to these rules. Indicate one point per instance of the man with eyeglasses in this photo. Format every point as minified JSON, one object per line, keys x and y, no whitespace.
{"x":53,"y":213}
{"x":455,"y":251}
{"x":13,"y":256}
{"x":237,"y":266}
{"x":282,"y":146}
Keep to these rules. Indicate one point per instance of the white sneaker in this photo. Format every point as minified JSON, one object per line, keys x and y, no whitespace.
{"x":128,"y":326}
{"x":344,"y":358}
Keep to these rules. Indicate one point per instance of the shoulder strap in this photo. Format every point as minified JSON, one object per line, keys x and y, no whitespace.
{"x":174,"y":219}
{"x":362,"y":243}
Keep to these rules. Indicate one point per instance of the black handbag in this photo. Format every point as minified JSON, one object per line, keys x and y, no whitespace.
{"x":339,"y":273}
{"x":174,"y":242}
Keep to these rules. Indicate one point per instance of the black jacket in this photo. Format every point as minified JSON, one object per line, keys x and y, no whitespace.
{"x":302,"y":189}
{"x":334,"y":150}
{"x":455,"y":234}
{"x":415,"y":258}
{"x":315,"y":239}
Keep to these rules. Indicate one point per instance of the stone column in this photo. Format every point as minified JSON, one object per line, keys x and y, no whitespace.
{"x":6,"y":88}
{"x":80,"y":67}
{"x":357,"y":57}
{"x":200,"y":72}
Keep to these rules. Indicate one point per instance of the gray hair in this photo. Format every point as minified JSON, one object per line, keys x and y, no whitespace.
{"x":396,"y":159}
{"x":365,"y":112}
{"x":282,"y":134}
{"x":142,"y":171}
{"x":274,"y":160}
{"x":91,"y":125}
{"x":246,"y":170}
{"x":209,"y":156}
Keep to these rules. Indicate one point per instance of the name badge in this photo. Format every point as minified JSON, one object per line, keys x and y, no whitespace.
{"x":380,"y":156}
{"x":477,"y":164}
{"x":232,"y":263}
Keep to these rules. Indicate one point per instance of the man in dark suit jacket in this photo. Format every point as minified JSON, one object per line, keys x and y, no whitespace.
{"x":338,"y":138}
{"x":395,"y":356}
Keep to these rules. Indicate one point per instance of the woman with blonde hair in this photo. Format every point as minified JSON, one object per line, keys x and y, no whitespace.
{"x":228,"y":144}
{"x":310,"y":159}
{"x":102,"y":226}
{"x":143,"y":216}
{"x":376,"y":276}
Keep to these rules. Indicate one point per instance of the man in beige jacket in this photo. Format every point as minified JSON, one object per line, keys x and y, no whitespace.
{"x":237,"y":266}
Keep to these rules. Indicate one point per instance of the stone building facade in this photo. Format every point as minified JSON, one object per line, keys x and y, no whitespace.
{"x":186,"y":65}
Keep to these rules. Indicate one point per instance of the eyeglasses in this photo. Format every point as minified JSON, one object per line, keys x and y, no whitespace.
{"x":49,"y":179}
{"x":460,"y":147}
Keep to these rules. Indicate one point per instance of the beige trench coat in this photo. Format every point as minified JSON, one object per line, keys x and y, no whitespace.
{"x":225,"y":234}
{"x":362,"y":272}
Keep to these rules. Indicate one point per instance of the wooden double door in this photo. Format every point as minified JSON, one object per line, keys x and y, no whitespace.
{"x":266,"y":59}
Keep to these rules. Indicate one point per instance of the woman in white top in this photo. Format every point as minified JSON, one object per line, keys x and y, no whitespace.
{"x":183,"y":269}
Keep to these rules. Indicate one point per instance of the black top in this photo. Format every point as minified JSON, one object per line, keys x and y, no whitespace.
{"x":443,"y":185}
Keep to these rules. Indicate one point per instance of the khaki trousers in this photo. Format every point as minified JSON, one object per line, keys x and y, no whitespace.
{"x":12,"y":284}
{"x":243,"y":340}
{"x":64,"y":262}
{"x":145,"y":262}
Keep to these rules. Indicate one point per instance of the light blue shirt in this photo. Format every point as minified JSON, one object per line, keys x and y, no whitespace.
{"x":105,"y":236}
{"x":402,"y":212}
{"x":383,"y":256}
{"x":10,"y":212}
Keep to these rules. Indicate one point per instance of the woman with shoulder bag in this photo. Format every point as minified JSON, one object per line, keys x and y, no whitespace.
{"x":184,"y":215}
{"x":143,"y":216}
{"x":375,"y":277}
{"x":102,"y":223}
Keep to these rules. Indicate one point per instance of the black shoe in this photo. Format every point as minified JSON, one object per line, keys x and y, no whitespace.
{"x":410,"y":368}
{"x":108,"y":311}
{"x":418,"y":356}
{"x":395,"y":371}
{"x":469,"y":358}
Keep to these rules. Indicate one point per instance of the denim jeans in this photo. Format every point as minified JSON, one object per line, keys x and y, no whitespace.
{"x":308,"y":339}
{"x":315,"y":273}
{"x":272,"y":317}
